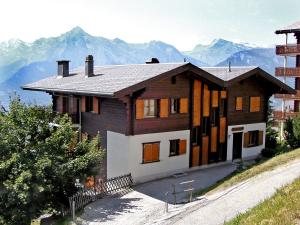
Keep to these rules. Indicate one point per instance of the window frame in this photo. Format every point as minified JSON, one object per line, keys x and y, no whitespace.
{"x":177,"y":143}
{"x":175,"y":106}
{"x":255,"y":137}
{"x":89,"y":103}
{"x":147,"y":104}
{"x":150,"y":143}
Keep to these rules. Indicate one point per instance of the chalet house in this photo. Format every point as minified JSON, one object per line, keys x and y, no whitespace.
{"x":157,"y":119}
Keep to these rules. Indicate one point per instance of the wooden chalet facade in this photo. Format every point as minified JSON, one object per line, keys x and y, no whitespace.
{"x":157,"y":119}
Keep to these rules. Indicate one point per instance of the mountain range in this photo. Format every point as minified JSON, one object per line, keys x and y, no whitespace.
{"x":22,"y":62}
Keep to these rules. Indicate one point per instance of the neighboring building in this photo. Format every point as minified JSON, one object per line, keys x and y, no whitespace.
{"x":157,"y":119}
{"x":289,"y":50}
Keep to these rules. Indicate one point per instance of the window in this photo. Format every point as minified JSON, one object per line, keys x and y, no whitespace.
{"x":222,"y":107}
{"x":89,"y":103}
{"x":214,"y":116}
{"x":253,"y":138}
{"x":195,"y":136}
{"x":205,"y":126}
{"x":55,"y":101}
{"x":175,"y":105}
{"x":150,"y":108}
{"x":65,"y":108}
{"x":239,"y":103}
{"x":254,"y":104}
{"x":150,"y":152}
{"x":177,"y":147}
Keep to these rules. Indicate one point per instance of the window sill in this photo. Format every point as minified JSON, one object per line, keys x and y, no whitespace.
{"x":150,"y":162}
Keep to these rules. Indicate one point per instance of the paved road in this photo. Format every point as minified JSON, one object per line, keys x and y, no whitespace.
{"x":227,"y":204}
{"x":146,"y":202}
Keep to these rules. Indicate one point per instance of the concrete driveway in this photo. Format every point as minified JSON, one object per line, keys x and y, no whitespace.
{"x":146,"y":202}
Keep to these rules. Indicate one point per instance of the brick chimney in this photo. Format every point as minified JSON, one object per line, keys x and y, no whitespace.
{"x":63,"y":68}
{"x":89,"y":66}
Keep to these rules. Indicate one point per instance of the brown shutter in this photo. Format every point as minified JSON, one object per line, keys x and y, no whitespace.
{"x":254,"y":104}
{"x":164,"y":108}
{"x":197,"y":103}
{"x":246,"y":140}
{"x":182,"y":147}
{"x":82,"y":103}
{"x":155,"y":152}
{"x":239,"y":103}
{"x":59,"y":104}
{"x":184,"y":106}
{"x":223,"y":94}
{"x":215,"y":99}
{"x":147,"y":153}
{"x":95,"y":105}
{"x":214,"y":133}
{"x":260,"y":137}
{"x":205,"y":141}
{"x":195,"y":156}
{"x":222,"y":129}
{"x":139,"y":109}
{"x":90,"y":181}
{"x":206,"y":101}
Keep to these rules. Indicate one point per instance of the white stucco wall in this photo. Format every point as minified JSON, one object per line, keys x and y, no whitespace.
{"x":117,"y":154}
{"x":125,"y":154}
{"x":246,"y":152}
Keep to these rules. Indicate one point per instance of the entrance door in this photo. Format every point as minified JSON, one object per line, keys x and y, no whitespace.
{"x":237,"y":145}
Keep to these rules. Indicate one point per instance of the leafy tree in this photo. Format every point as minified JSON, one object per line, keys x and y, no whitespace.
{"x":271,"y":134}
{"x":40,"y":159}
{"x":292,"y":131}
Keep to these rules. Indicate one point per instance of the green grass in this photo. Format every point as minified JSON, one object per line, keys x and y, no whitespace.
{"x":248,"y":172}
{"x":281,"y":209}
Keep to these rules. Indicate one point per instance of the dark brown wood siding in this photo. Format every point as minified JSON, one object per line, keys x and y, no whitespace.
{"x":159,"y":90}
{"x":252,"y":86}
{"x":112,"y":117}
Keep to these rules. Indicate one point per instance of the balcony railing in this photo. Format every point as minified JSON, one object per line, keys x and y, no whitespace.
{"x":278,"y":115}
{"x":291,"y":49}
{"x":288,"y":72}
{"x":288,"y":96}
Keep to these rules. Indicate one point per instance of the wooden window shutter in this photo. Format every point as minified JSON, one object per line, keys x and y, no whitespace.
{"x":155,"y":152}
{"x":96,"y":105}
{"x":139,"y":109}
{"x":239,"y":103}
{"x":254,"y":104}
{"x":182,"y":147}
{"x":222,"y":129}
{"x":206,"y":101}
{"x":82,"y":103}
{"x":260,"y":137}
{"x":246,"y":140}
{"x":59,"y":104}
{"x":213,"y":143}
{"x":197,"y":103}
{"x":147,"y":153}
{"x":164,"y":108}
{"x":205,"y":141}
{"x":223,"y":94}
{"x":195,"y":156}
{"x":215,"y":99}
{"x":184,"y":106}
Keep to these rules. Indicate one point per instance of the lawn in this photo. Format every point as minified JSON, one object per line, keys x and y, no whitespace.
{"x":248,"y":172}
{"x":282,"y":208}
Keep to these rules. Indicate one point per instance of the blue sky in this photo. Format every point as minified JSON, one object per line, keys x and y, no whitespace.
{"x":183,"y":23}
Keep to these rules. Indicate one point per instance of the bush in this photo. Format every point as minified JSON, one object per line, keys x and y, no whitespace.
{"x":268,"y":152}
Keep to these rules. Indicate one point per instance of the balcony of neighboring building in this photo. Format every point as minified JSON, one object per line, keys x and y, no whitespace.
{"x":288,"y":50}
{"x":279,"y":115}
{"x":288,"y":96}
{"x":287,"y":71}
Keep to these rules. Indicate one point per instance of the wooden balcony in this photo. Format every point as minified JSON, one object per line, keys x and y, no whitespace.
{"x":288,"y":72}
{"x":288,"y":50}
{"x":278,"y":115}
{"x":288,"y":96}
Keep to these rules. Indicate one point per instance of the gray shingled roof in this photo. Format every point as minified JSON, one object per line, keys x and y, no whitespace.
{"x":224,"y":74}
{"x":289,"y":29}
{"x":107,"y":79}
